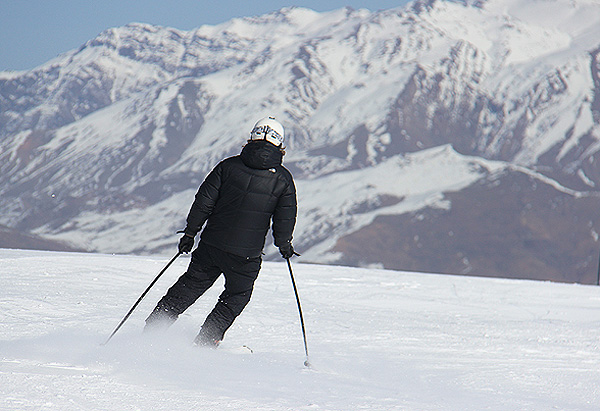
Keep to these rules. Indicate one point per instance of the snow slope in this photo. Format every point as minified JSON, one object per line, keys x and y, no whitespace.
{"x":378,"y":340}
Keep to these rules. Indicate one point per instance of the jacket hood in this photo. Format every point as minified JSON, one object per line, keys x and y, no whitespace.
{"x":261,"y":155}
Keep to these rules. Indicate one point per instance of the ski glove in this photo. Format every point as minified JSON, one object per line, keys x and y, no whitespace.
{"x":287,"y":251}
{"x":186,"y":243}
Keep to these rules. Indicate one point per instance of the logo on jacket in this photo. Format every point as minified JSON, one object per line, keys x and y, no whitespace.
{"x":272,"y":170}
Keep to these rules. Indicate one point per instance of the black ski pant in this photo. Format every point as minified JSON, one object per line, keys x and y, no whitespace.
{"x":207,"y":264}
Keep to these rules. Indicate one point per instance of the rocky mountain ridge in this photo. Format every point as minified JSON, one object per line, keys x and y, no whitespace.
{"x":450,"y":136}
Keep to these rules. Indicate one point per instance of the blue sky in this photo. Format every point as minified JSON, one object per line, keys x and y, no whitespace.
{"x":35,"y":31}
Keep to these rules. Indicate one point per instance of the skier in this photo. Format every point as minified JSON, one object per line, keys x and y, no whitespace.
{"x":237,"y":201}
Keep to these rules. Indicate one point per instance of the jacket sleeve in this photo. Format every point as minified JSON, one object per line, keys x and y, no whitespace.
{"x":205,"y":201}
{"x":284,"y":217}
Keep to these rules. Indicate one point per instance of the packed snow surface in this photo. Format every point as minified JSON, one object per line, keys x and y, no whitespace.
{"x":378,"y":340}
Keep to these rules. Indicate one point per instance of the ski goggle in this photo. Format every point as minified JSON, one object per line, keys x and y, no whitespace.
{"x":266,"y":133}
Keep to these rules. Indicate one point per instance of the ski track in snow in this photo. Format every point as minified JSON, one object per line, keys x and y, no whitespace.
{"x":378,"y":340}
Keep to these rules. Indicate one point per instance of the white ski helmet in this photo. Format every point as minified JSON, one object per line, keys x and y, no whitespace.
{"x":268,"y":129}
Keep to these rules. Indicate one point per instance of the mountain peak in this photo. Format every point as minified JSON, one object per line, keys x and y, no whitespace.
{"x":110,"y":139}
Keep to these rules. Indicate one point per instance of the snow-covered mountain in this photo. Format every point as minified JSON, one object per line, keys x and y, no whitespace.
{"x":445,"y":136}
{"x":383,"y":340}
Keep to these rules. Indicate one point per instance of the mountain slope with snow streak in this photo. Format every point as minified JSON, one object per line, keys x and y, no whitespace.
{"x":113,"y":138}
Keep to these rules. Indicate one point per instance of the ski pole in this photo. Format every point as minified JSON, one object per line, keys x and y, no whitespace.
{"x":142,"y":296}
{"x":306,"y":363}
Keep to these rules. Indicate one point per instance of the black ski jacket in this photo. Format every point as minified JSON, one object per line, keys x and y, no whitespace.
{"x":240,"y":197}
